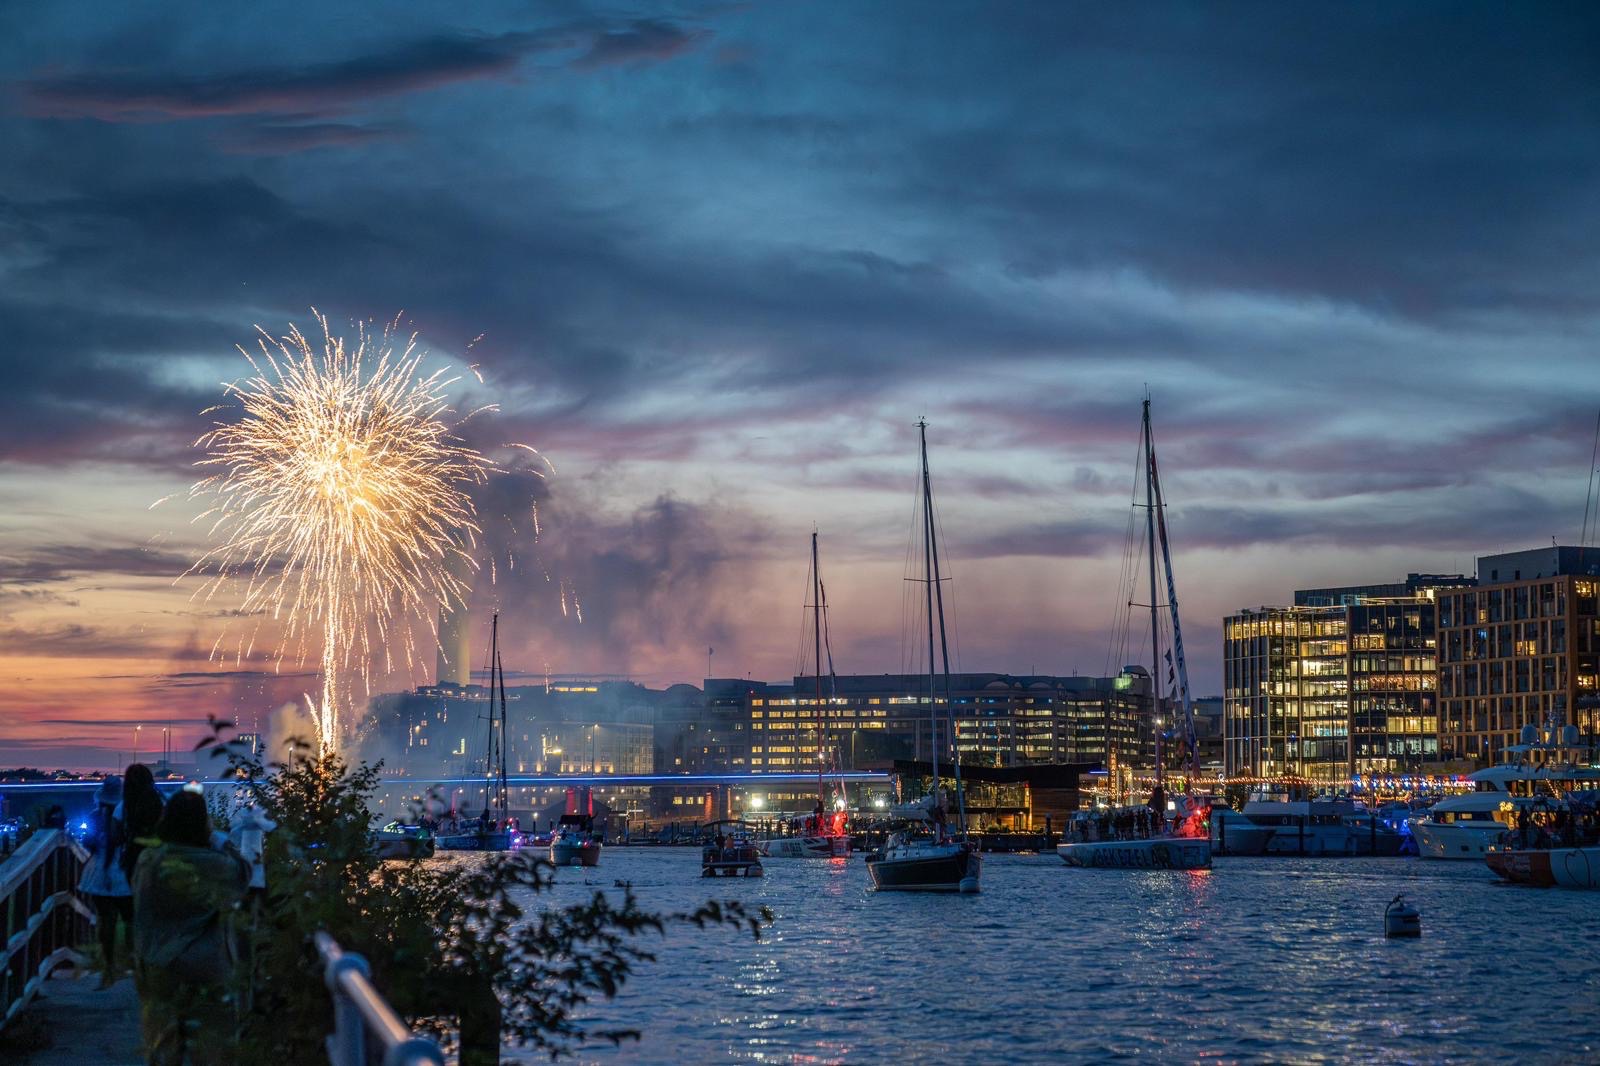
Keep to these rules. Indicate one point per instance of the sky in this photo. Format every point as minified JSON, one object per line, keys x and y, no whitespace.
{"x":716,"y":260}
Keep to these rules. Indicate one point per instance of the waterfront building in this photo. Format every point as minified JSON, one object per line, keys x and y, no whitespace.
{"x":1520,"y":649}
{"x":1341,"y":683}
{"x":560,"y":725}
{"x":1000,"y":720}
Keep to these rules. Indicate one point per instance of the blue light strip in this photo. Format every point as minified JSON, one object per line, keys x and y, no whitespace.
{"x":526,"y":781}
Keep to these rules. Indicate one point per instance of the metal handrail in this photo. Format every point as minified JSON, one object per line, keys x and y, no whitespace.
{"x":359,"y":1008}
{"x":41,"y":916}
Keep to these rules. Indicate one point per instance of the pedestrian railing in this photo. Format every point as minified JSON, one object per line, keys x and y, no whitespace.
{"x":359,"y":1010}
{"x":44,"y":920}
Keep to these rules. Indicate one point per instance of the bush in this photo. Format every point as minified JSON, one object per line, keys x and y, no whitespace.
{"x":451,"y":945}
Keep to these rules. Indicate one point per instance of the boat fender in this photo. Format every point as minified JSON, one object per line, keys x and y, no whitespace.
{"x":1401,"y":919}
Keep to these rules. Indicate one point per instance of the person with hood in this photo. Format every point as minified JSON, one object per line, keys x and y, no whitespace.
{"x":104,"y":881}
{"x":186,"y":895}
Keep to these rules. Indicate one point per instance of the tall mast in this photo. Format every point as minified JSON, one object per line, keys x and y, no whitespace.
{"x":927,"y":566}
{"x":816,"y":633}
{"x":490,"y":760}
{"x":505,"y":728}
{"x":1155,"y":608}
{"x":1185,"y":697}
{"x":944,"y":651}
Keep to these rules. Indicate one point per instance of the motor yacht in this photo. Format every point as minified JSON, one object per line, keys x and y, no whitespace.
{"x":1541,"y":770}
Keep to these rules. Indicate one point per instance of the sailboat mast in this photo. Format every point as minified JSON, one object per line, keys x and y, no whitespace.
{"x":816,"y":634}
{"x":927,"y":567}
{"x":490,"y":760}
{"x":1185,"y":697}
{"x":505,"y":726}
{"x":1155,"y":607}
{"x":944,"y":655}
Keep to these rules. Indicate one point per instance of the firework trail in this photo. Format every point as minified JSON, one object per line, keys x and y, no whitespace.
{"x":338,"y":499}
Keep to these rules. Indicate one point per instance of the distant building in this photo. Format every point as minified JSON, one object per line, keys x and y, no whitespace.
{"x":560,"y":726}
{"x":1000,"y":720}
{"x":1519,"y":649}
{"x":1208,"y":717}
{"x":1341,"y":683}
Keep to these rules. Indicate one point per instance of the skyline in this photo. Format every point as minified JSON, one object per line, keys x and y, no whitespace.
{"x":721,"y":259}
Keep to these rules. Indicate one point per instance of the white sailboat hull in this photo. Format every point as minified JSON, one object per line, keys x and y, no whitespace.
{"x":1159,"y":853}
{"x":806,"y":847}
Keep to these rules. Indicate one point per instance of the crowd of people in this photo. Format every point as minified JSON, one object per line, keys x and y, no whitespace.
{"x":176,"y":888}
{"x":1573,"y":824}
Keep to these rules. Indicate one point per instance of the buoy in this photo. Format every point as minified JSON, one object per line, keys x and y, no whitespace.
{"x":1401,"y":919}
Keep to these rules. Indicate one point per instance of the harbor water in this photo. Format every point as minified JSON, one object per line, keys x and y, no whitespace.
{"x":1255,"y":960}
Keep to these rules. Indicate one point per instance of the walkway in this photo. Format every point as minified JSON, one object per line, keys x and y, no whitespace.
{"x":72,"y":1022}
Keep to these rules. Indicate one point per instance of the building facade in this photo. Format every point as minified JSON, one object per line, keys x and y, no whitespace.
{"x":1344,"y":682}
{"x":559,"y":726}
{"x":1520,"y":649}
{"x":870,"y":720}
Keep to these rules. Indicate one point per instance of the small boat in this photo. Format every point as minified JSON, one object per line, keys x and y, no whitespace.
{"x":731,"y":855}
{"x":492,"y":830}
{"x":574,"y":841}
{"x":488,"y":837}
{"x":400,"y":841}
{"x":923,"y":863}
{"x":938,"y":860}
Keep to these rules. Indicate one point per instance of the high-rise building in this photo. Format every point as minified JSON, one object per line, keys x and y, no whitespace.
{"x":1341,"y":683}
{"x":1520,"y":649}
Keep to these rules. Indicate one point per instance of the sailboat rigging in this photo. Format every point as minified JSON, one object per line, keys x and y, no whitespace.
{"x":825,"y":834}
{"x":491,"y":831}
{"x":1181,"y":842}
{"x":941,"y":861}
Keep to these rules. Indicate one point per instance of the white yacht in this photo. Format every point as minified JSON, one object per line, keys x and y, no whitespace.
{"x":1536,"y":773}
{"x":1232,"y":833}
{"x":1304,"y":825}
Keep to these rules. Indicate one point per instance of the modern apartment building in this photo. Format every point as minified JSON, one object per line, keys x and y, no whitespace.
{"x":1341,"y":683}
{"x":1519,"y":649}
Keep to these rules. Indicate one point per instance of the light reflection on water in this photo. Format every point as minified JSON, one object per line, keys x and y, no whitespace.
{"x":1257,"y":960}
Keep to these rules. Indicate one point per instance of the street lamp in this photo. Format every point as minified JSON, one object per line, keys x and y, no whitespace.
{"x":136,"y":743}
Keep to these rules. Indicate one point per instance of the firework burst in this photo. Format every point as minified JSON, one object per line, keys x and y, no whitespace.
{"x":340,"y":501}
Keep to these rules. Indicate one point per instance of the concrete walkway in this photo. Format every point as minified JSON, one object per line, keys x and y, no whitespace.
{"x":72,"y":1022}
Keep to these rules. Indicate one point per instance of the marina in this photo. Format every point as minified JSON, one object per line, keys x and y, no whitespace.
{"x":1164,"y":964}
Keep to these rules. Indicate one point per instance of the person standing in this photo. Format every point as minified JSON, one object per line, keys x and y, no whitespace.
{"x":139,"y":813}
{"x":185,"y":898}
{"x":104,"y":880}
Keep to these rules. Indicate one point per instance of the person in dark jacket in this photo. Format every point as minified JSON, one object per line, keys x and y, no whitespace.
{"x":104,"y":881}
{"x":186,"y":897}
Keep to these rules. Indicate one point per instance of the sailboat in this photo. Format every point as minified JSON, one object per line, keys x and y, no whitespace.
{"x":1144,"y":837}
{"x":825,"y":834}
{"x":935,"y":859}
{"x":491,"y":830}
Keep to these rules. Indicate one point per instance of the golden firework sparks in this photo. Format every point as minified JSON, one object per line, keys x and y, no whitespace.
{"x":339,"y":495}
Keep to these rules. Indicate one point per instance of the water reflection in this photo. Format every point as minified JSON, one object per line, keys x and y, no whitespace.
{"x":1254,"y":960}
